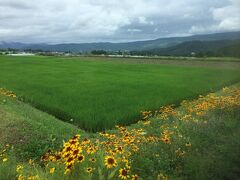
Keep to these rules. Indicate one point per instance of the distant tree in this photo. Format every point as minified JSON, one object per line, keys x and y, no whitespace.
{"x":99,"y":52}
{"x":120,"y":52}
{"x":200,"y":54}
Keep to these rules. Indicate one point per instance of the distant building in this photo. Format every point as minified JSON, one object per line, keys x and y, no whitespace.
{"x":21,"y":54}
{"x":193,"y":54}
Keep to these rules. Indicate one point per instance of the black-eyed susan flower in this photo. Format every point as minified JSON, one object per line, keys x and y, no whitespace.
{"x":85,"y":141}
{"x":81,"y":158}
{"x":93,"y":160}
{"x":123,"y":173}
{"x":135,"y":148}
{"x":19,"y":168}
{"x":20,"y":177}
{"x":91,"y":150}
{"x":66,"y":155}
{"x":68,"y":149}
{"x":52,"y":158}
{"x":58,"y":157}
{"x":52,"y":170}
{"x":73,"y":141}
{"x":112,"y":152}
{"x":70,"y":160}
{"x":188,"y":144}
{"x":110,"y":162}
{"x":166,"y":139}
{"x":76,"y":152}
{"x":68,"y":168}
{"x":119,"y":149}
{"x":134,"y":177}
{"x":89,"y":169}
{"x":77,"y":136}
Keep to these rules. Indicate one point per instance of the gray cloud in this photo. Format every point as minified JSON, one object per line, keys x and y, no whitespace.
{"x":54,"y":21}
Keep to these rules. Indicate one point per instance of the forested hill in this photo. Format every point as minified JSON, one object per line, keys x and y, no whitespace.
{"x":229,"y":48}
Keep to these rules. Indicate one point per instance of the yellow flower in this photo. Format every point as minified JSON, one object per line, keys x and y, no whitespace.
{"x":76,"y":137}
{"x":93,"y":160}
{"x":179,"y":152}
{"x":7,"y":145}
{"x":135,"y":177}
{"x":226,"y":89}
{"x":70,"y":160}
{"x":157,"y":155}
{"x":166,"y":139}
{"x":66,"y":171}
{"x":19,"y":168}
{"x":89,"y":170}
{"x":85,"y":141}
{"x":30,"y":161}
{"x":123,"y":173}
{"x":110,"y":162}
{"x":76,"y":151}
{"x":4,"y":159}
{"x":81,"y":158}
{"x":147,"y":122}
{"x":91,"y":150}
{"x":20,"y":177}
{"x":135,"y":148}
{"x":119,"y":149}
{"x":161,"y":176}
{"x":52,"y":170}
{"x":32,"y":178}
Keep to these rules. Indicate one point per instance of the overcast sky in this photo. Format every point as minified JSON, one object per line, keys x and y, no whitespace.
{"x":61,"y":21}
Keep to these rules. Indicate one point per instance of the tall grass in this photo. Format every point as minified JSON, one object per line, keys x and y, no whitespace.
{"x":96,"y":95}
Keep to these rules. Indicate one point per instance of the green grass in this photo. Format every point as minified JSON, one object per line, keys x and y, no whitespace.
{"x":217,"y":148}
{"x":215,"y":151}
{"x":99,"y":94}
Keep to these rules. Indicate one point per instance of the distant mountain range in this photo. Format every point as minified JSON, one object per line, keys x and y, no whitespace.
{"x":229,"y":48}
{"x":164,"y":45}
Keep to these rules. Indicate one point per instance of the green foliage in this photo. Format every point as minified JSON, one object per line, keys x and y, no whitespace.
{"x":99,"y":52}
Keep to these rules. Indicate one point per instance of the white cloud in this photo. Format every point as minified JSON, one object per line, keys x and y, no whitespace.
{"x":143,"y":20}
{"x":55,"y":21}
{"x":134,"y":30}
{"x":226,"y":19}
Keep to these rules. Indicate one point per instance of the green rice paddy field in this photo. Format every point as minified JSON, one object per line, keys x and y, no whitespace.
{"x":96,"y":93}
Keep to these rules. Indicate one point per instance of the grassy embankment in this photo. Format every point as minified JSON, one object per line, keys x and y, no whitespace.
{"x":31,"y":131}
